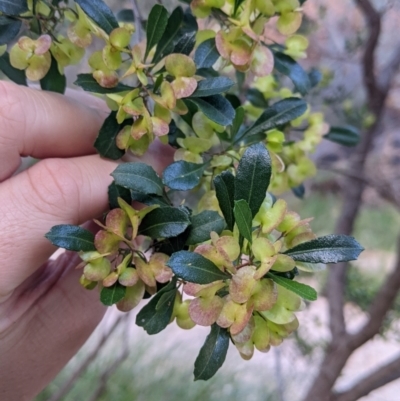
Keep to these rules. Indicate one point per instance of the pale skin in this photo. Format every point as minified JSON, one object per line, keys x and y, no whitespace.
{"x":45,"y":315}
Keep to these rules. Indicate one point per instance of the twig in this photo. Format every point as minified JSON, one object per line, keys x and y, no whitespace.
{"x":138,"y":20}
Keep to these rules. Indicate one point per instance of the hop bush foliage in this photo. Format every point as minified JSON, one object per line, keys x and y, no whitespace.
{"x":209,"y":80}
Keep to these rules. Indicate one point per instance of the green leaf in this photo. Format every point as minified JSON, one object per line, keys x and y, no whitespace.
{"x":225,"y":190}
{"x":138,"y":177}
{"x":195,"y":268}
{"x":174,"y":133}
{"x":105,"y":142}
{"x":9,"y":29}
{"x":187,"y":35}
{"x":54,"y":81}
{"x":347,"y":135}
{"x":164,"y":222}
{"x":114,"y":192}
{"x":156,"y":25}
{"x":111,"y":295}
{"x":238,"y":121}
{"x":299,"y":191}
{"x":237,"y":5}
{"x":276,"y":115}
{"x":167,"y":42}
{"x":216,"y":108}
{"x":212,"y":354}
{"x":256,"y":98}
{"x":156,"y":315}
{"x":174,"y":244}
{"x":89,"y":84}
{"x":13,"y":7}
{"x":126,"y":15}
{"x":100,"y":13}
{"x":206,"y":54}
{"x":149,"y":200}
{"x":183,"y":175}
{"x":327,"y":249}
{"x":12,"y":73}
{"x":315,"y":77}
{"x":202,"y":224}
{"x":253,"y":176}
{"x":72,"y":238}
{"x":212,"y":86}
{"x":286,"y":65}
{"x":244,"y":219}
{"x":305,"y":291}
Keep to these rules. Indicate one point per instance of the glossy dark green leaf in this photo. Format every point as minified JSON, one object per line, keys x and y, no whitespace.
{"x":238,"y":121}
{"x":233,"y":100}
{"x":303,"y":290}
{"x":186,"y":39}
{"x":114,"y":192}
{"x":156,"y":315}
{"x":299,"y":191}
{"x":156,"y":24}
{"x":173,"y":134}
{"x":206,"y":54}
{"x":286,"y":65}
{"x":167,"y":42}
{"x":72,"y":238}
{"x":244,"y":219}
{"x":149,"y":200}
{"x":54,"y":81}
{"x":12,"y":73}
{"x":224,"y":184}
{"x":126,"y":15}
{"x":174,"y":244}
{"x":346,"y":135}
{"x":111,"y":295}
{"x":193,"y":267}
{"x":253,"y":176}
{"x":105,"y":142}
{"x":183,"y":175}
{"x":202,"y":224}
{"x":216,"y":108}
{"x":256,"y":98}
{"x":164,"y":222}
{"x":327,"y":249}
{"x":100,"y":13}
{"x":13,"y":7}
{"x":9,"y":29}
{"x":138,"y":177}
{"x":212,"y":86}
{"x":280,"y":113}
{"x":89,"y":84}
{"x":315,"y":77}
{"x":237,"y":5}
{"x":212,"y":354}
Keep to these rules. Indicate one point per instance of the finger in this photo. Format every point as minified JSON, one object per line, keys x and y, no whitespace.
{"x":60,"y":317}
{"x":43,"y":124}
{"x":54,"y":191}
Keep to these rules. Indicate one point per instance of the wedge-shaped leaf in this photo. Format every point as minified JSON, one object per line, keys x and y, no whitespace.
{"x":138,"y":177}
{"x":243,"y":219}
{"x":9,"y":29}
{"x":156,"y":24}
{"x":155,"y":316}
{"x":278,"y":114}
{"x":13,"y":7}
{"x":216,"y":108}
{"x":183,"y":175}
{"x":305,"y":291}
{"x":206,"y":54}
{"x":213,"y":86}
{"x":111,"y":295}
{"x":327,"y":249}
{"x":286,"y":65}
{"x":253,"y":176}
{"x":105,"y":142}
{"x":54,"y":81}
{"x":72,"y":238}
{"x":89,"y":84}
{"x":12,"y":73}
{"x":149,"y":200}
{"x":347,"y":135}
{"x":100,"y":13}
{"x":202,"y":224}
{"x":114,"y":192}
{"x":212,"y":354}
{"x":195,"y":268}
{"x":225,"y":190}
{"x":164,"y":222}
{"x":171,"y":34}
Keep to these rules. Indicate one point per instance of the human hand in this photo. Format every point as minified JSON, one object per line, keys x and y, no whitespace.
{"x":45,"y":315}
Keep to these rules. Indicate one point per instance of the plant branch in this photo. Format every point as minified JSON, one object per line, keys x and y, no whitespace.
{"x":389,"y":72}
{"x":138,"y":20}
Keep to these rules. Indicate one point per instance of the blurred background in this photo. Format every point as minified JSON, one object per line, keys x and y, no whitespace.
{"x":120,"y":362}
